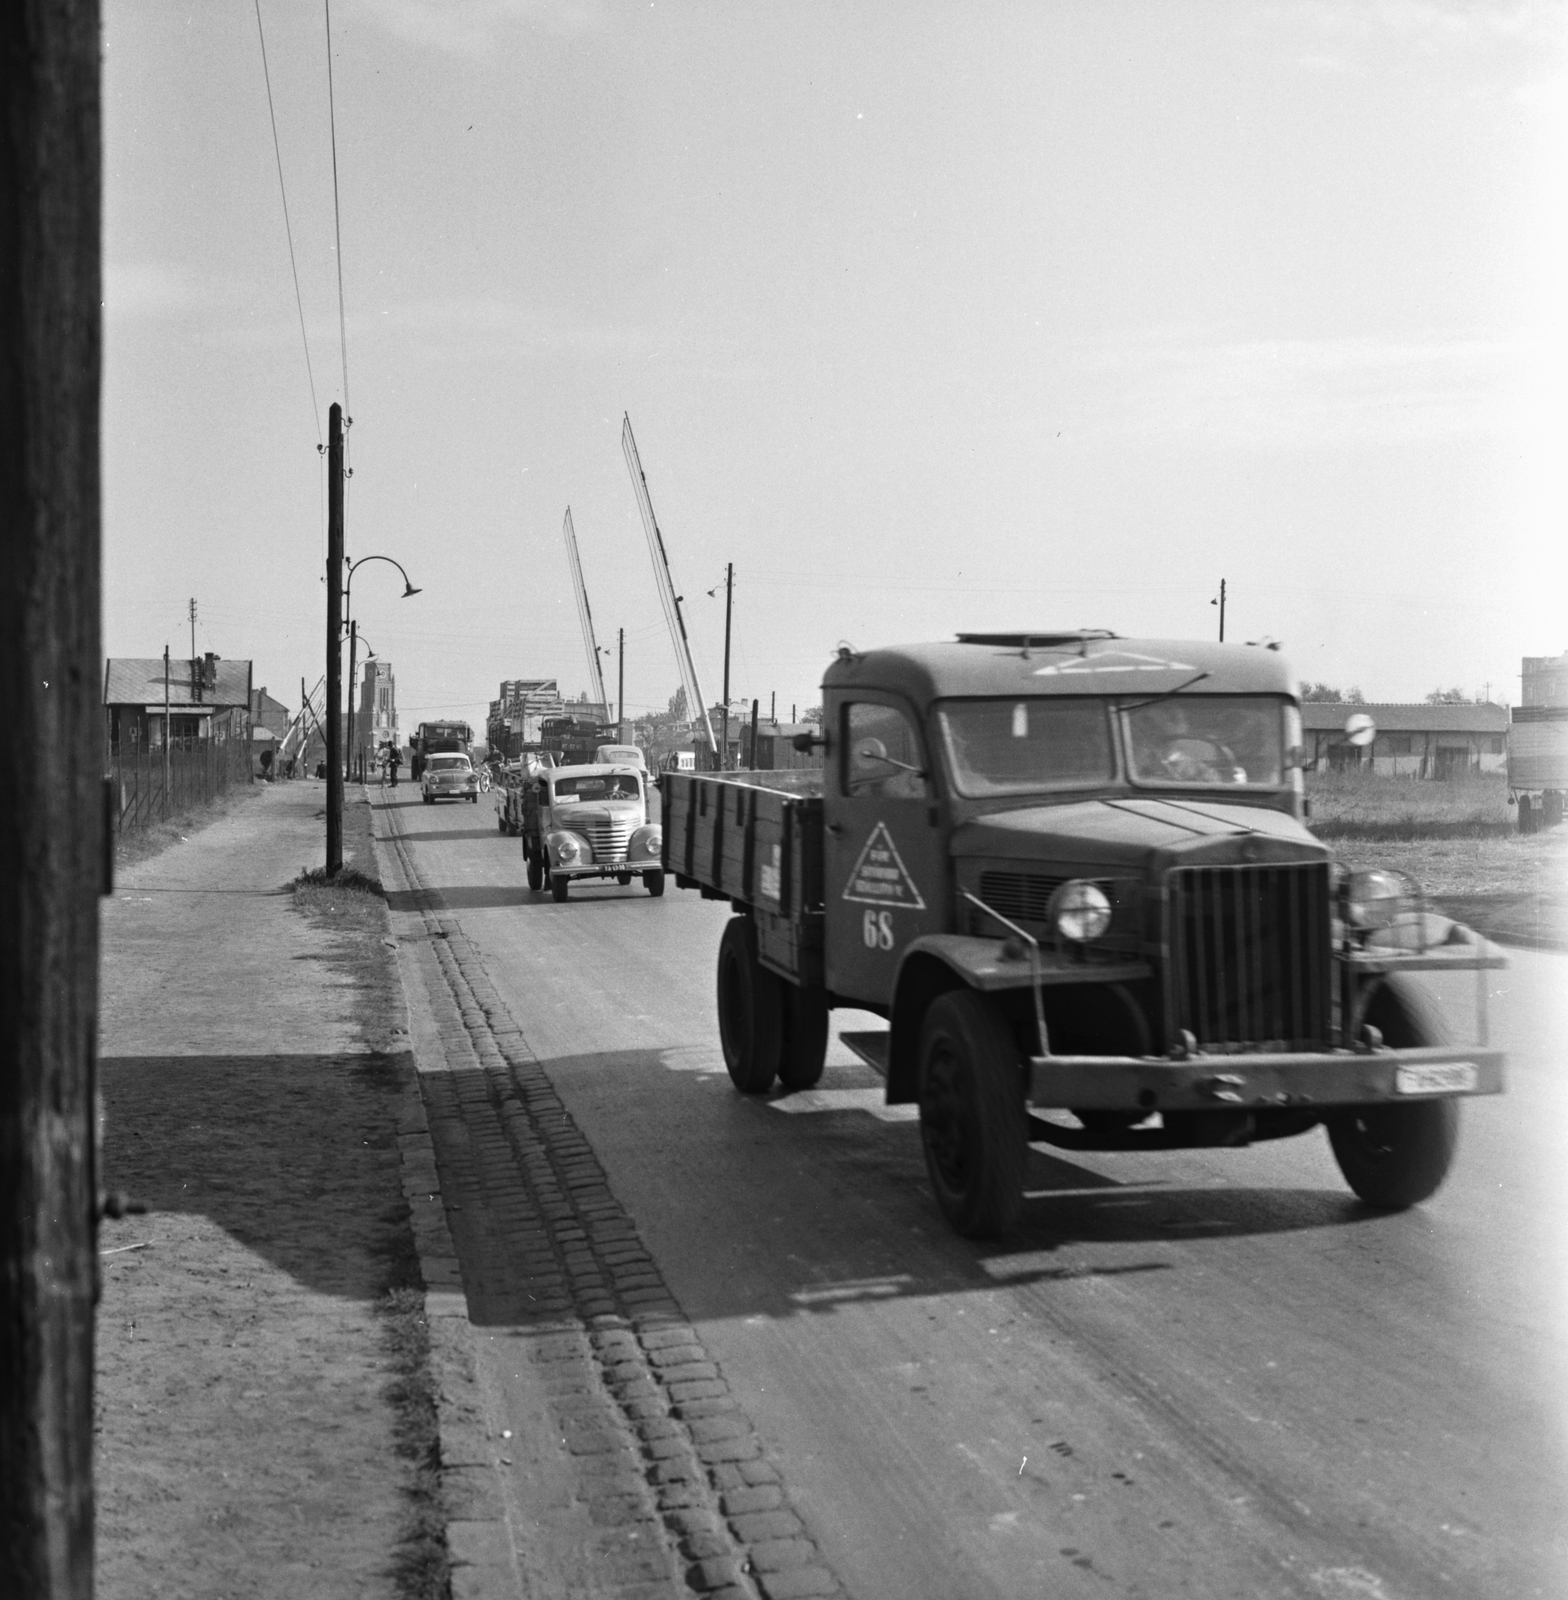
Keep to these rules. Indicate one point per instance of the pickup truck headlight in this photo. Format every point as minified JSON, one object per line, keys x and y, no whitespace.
{"x":1079,"y":911}
{"x":646,"y":843}
{"x":568,"y":849}
{"x":1376,"y":897}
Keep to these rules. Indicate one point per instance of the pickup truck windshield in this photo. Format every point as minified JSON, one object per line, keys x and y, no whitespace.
{"x":1022,"y":746}
{"x":1200,"y":740}
{"x":617,"y":786}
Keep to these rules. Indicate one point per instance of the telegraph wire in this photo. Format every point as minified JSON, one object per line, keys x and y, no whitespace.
{"x":288,"y":230}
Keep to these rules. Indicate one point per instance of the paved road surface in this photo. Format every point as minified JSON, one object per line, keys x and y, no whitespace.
{"x":1193,"y":1373}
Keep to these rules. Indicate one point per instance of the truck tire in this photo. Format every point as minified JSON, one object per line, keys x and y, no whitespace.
{"x":1396,"y":1155}
{"x":653,"y":882}
{"x":535,"y":872}
{"x":560,"y":886}
{"x":973,"y":1121}
{"x":805,"y":1042}
{"x":750,"y":1010}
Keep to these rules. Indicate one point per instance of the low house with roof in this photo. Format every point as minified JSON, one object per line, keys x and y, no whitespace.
{"x":1413,"y":741}
{"x":204,"y":698}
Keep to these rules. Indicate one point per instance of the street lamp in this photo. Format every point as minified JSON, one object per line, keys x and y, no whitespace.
{"x":409,"y":590}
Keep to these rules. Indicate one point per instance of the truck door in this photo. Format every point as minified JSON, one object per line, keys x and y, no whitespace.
{"x":884,"y":861}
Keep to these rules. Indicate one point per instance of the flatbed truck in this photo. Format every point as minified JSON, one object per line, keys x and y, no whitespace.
{"x":1071,"y":872}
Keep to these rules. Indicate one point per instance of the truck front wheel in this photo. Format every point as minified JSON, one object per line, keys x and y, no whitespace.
{"x":750,"y":1020}
{"x":653,"y":882}
{"x":972,"y":1117}
{"x":560,"y":886}
{"x":1395,"y":1156}
{"x":535,"y":872}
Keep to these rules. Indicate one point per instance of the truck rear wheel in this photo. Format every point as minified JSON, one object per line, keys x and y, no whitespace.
{"x":973,"y":1122}
{"x":653,"y":882}
{"x":560,"y":886}
{"x":750,"y":1010}
{"x":535,"y":871}
{"x":1397,"y":1155}
{"x":805,"y":1042}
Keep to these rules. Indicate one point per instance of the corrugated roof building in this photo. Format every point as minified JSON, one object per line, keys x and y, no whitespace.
{"x":207,"y":698}
{"x":1413,"y":741}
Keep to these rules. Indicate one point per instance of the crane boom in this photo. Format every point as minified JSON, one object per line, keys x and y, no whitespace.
{"x":696,"y":706}
{"x":584,"y":615}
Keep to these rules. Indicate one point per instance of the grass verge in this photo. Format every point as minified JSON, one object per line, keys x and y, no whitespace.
{"x":143,"y":843}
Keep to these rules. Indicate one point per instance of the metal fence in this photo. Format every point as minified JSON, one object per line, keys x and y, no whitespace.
{"x":198,"y":771}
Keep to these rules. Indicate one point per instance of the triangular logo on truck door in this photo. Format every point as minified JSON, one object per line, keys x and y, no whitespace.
{"x":880,"y":877}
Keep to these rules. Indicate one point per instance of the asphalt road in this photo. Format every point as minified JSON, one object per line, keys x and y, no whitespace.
{"x":1193,"y":1373}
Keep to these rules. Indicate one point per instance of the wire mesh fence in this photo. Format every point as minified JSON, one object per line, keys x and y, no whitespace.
{"x":147,"y":788}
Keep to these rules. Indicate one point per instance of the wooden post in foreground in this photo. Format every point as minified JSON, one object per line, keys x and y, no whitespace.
{"x":52,"y":834}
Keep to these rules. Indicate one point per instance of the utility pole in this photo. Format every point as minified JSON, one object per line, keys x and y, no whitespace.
{"x":353,"y":654}
{"x":52,"y":835}
{"x":1221,"y":604}
{"x":729,"y":607}
{"x":165,"y":807}
{"x":620,"y":687}
{"x":195,"y":674}
{"x":334,"y":639}
{"x":753,"y":735}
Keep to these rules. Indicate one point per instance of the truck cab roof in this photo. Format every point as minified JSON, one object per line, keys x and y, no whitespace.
{"x":1082,"y":662}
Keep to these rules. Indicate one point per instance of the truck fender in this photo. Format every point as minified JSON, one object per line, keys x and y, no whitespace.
{"x":930,"y":966}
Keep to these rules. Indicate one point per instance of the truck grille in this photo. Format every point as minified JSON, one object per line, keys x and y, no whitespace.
{"x":1023,"y":896}
{"x":1250,"y":956}
{"x":609,"y":840}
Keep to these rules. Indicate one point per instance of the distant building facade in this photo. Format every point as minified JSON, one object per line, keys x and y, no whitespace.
{"x":375,"y":720}
{"x":1544,"y":681}
{"x":1413,"y":741}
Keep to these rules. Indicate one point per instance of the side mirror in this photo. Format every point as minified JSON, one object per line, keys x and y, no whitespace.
{"x":1360,"y":729}
{"x":1296,"y":756}
{"x":807,"y":742}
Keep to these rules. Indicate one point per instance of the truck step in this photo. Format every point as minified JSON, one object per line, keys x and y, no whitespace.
{"x":871,"y":1047}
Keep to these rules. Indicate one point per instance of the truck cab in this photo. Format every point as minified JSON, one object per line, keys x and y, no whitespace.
{"x":590,"y":821}
{"x":1071,"y":870}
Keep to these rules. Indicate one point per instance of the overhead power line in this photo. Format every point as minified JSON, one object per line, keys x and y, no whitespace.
{"x":288,"y":230}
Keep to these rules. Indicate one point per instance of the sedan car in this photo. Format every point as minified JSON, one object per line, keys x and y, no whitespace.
{"x":449,"y":777}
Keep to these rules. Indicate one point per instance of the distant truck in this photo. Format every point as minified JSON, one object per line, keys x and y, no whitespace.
{"x":590,"y":822}
{"x":1070,"y":871}
{"x":572,"y":740}
{"x":1538,"y":765}
{"x":436,"y":738}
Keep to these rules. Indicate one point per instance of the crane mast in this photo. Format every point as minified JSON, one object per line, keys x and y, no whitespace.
{"x":696,"y":706}
{"x":584,"y":615}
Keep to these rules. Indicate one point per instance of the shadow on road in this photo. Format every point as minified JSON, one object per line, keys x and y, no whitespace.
{"x":485,"y":897}
{"x":442,"y":835}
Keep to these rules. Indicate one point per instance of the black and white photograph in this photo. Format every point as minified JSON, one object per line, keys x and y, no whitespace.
{"x":785,"y":804}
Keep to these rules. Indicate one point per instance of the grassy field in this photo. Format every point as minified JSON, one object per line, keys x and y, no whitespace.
{"x":1357,"y":805}
{"x":1458,"y":840}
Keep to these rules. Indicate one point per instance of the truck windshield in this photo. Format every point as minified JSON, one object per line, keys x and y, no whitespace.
{"x":1204,"y":740}
{"x":1022,"y":746}
{"x":616,"y":786}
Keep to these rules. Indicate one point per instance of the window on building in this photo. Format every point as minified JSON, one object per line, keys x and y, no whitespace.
{"x":1393,"y":744}
{"x":1494,"y":744}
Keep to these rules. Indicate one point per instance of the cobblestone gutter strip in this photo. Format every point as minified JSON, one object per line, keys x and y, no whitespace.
{"x":668,"y":1467}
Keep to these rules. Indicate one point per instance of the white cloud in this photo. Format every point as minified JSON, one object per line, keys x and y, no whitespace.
{"x":1296,"y":393}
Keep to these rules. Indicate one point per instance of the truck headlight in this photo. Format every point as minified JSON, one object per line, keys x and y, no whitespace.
{"x":1079,"y":911}
{"x":1376,"y":897}
{"x":647,"y":841}
{"x":568,"y":848}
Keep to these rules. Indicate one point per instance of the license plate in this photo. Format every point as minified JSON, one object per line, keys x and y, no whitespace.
{"x":1447,"y":1077}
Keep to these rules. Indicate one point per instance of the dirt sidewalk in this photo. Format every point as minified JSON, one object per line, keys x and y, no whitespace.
{"x":258,"y":1097}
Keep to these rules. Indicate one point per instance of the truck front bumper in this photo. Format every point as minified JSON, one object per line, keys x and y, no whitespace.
{"x":1263,"y":1080}
{"x":608,"y":869}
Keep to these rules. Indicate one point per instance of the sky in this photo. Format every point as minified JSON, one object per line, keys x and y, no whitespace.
{"x":927,"y":317}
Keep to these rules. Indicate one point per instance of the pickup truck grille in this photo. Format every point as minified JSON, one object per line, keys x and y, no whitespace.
{"x":1250,"y":963}
{"x":609,"y":840}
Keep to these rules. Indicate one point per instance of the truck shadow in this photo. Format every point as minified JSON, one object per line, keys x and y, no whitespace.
{"x":441,"y":836}
{"x":483,"y":897}
{"x":848,"y":1213}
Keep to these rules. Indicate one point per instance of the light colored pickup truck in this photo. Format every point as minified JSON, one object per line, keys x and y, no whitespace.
{"x":591,"y":822}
